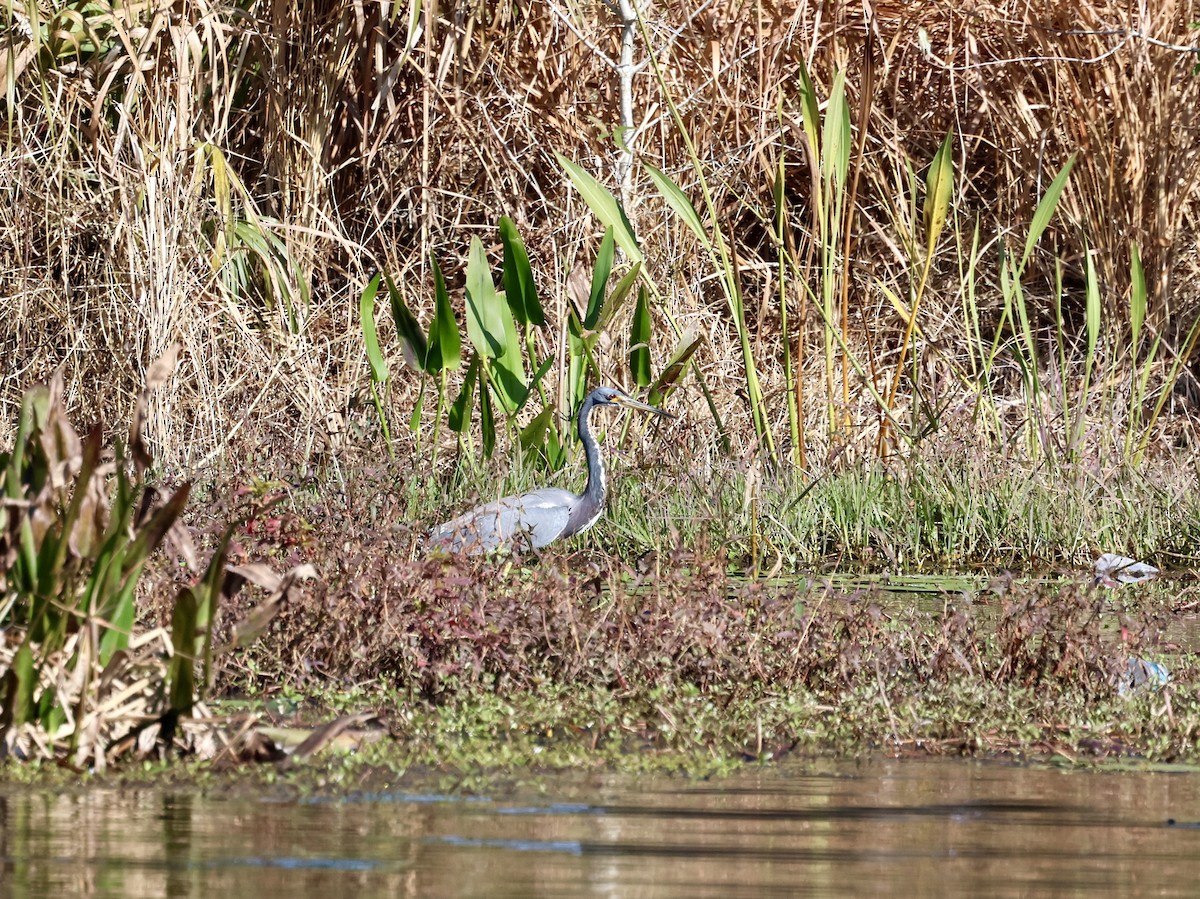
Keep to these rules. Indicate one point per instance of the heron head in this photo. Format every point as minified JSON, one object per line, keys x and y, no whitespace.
{"x":611,"y":396}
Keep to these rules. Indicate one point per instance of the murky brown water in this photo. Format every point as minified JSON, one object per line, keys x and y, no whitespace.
{"x":882,"y":828}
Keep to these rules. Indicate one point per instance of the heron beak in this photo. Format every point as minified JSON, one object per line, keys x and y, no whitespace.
{"x":631,"y":403}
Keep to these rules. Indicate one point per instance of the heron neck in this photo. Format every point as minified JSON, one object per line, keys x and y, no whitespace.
{"x":595,"y":462}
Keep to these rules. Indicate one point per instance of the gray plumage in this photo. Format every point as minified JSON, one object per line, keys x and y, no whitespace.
{"x":538,"y":518}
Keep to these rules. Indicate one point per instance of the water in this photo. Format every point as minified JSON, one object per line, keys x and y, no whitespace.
{"x":910,"y":827}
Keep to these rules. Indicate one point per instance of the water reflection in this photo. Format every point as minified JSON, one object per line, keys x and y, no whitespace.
{"x":884,"y":828}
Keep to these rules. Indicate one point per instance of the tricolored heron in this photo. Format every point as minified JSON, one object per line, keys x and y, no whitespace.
{"x":540,"y":517}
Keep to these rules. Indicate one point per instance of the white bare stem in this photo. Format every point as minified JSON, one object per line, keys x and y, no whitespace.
{"x":625,"y":73}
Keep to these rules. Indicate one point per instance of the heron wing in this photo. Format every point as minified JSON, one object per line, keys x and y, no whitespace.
{"x":537,"y":517}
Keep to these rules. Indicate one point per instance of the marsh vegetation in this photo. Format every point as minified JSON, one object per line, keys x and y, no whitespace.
{"x":920,"y":289}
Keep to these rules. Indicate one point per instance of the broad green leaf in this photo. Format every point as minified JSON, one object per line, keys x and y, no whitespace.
{"x":939,"y":188}
{"x":104,"y":578}
{"x":51,"y":712}
{"x":679,"y":202}
{"x":600,"y":274}
{"x":412,"y":338}
{"x":512,"y":391}
{"x":639,"y":341}
{"x":540,"y":439}
{"x":810,"y":110}
{"x":676,"y":366}
{"x":460,"y":410}
{"x":22,"y":682}
{"x":491,"y":329}
{"x":617,"y":297}
{"x":445,"y":344}
{"x":835,"y":141}
{"x":120,"y":625}
{"x":1045,"y":209}
{"x":533,"y":435}
{"x":519,"y":286}
{"x":366,"y":318}
{"x":110,"y":591}
{"x":1137,"y":294}
{"x":181,"y":673}
{"x":604,"y":206}
{"x":485,"y":325}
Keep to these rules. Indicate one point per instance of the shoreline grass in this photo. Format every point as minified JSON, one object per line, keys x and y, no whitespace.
{"x":950,"y":514}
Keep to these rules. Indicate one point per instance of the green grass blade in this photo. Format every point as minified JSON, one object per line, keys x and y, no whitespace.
{"x":414,"y":420}
{"x":1137,"y":297}
{"x":487,"y":418}
{"x":810,"y":110}
{"x":617,"y":297}
{"x":939,"y":188}
{"x":1092,"y":298}
{"x":835,"y":139}
{"x":676,"y":366}
{"x":542,"y":371}
{"x":1045,"y":210}
{"x":639,"y":341}
{"x":208,"y":599}
{"x":1181,"y":359}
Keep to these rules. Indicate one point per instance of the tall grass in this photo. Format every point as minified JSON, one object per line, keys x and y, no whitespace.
{"x":234,"y":181}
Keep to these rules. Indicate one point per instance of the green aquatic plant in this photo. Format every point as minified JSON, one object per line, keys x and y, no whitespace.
{"x":77,"y":528}
{"x":73,"y":550}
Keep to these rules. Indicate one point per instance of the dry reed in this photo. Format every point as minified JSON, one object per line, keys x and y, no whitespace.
{"x":230,"y":179}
